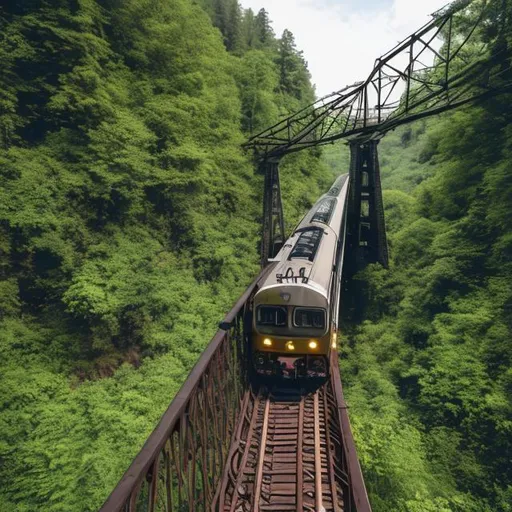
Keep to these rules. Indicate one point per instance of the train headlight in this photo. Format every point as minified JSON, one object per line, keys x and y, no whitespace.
{"x":267,"y":342}
{"x":333,"y":339}
{"x":290,"y":345}
{"x":313,"y":344}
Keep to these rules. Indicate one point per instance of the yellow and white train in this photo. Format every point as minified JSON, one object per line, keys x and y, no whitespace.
{"x":296,"y":307}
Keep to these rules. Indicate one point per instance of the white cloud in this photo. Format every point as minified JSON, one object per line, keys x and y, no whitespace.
{"x":340,"y":41}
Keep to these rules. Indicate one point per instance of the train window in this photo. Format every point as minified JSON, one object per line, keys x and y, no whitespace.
{"x":324,"y":211}
{"x":306,"y":317}
{"x":274,"y":316}
{"x":307,"y":244}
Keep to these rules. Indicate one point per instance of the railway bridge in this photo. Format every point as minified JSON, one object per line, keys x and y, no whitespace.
{"x":226,"y":444}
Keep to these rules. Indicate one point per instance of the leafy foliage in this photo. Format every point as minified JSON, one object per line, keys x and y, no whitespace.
{"x":129,"y":220}
{"x":428,"y":371}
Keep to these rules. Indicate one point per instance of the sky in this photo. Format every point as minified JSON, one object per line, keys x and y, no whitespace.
{"x":342,"y":38}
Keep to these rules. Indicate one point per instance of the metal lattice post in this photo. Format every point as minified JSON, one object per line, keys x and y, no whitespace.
{"x":273,"y":234}
{"x":366,"y":225}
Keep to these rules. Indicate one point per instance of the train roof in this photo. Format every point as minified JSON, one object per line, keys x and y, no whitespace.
{"x":314,"y":273}
{"x":327,"y":210}
{"x":308,"y":256}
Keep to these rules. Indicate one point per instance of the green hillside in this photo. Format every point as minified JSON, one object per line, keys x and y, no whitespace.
{"x":129,"y":220}
{"x":427,"y":370}
{"x":129,"y":225}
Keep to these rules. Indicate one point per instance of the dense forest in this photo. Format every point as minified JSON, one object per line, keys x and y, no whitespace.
{"x":129,"y":219}
{"x":129,"y":224}
{"x":426,"y":357}
{"x":427,"y":366}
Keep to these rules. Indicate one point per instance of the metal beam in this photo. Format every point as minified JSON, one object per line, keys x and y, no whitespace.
{"x":366,"y":229}
{"x":449,"y":82}
{"x":273,"y":235}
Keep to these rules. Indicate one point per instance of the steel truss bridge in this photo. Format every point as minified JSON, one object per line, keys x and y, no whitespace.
{"x":416,"y":79}
{"x":226,"y":445}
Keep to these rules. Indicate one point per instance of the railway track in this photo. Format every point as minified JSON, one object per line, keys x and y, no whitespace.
{"x":284,"y":458}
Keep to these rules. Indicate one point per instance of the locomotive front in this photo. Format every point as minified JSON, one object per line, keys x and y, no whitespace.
{"x":291,"y":334}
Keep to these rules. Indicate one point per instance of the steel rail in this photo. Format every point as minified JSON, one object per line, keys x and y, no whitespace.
{"x":300,"y":466}
{"x":298,"y":459}
{"x":245,"y":453}
{"x":318,"y":457}
{"x":261,"y":457}
{"x":331,"y":463}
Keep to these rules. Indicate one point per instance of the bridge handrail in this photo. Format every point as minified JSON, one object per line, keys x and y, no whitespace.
{"x":127,"y":489}
{"x":358,"y":487}
{"x":185,"y":438}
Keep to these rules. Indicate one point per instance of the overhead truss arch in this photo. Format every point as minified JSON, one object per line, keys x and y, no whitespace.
{"x":432,"y":66}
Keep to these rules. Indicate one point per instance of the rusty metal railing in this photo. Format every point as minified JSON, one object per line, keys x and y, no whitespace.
{"x":180,"y":465}
{"x":347,"y":463}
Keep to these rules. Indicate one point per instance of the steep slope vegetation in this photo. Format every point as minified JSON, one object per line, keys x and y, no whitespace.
{"x":428,"y":371}
{"x":129,"y":222}
{"x":428,"y":363}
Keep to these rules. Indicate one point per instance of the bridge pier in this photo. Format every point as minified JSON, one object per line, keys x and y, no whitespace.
{"x":273,"y":235}
{"x":366,"y":229}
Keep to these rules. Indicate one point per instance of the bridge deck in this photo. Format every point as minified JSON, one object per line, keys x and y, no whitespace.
{"x":283,"y":457}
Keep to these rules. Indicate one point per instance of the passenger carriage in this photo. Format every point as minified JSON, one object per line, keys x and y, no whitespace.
{"x":295,"y":311}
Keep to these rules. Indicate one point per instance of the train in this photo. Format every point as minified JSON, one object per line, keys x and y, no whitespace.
{"x":295,"y":310}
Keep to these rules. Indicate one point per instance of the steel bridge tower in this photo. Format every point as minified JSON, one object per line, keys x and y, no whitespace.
{"x":366,"y":229}
{"x":367,"y":242}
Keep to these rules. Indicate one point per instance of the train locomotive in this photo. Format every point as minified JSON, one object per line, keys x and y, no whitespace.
{"x":295,"y":310}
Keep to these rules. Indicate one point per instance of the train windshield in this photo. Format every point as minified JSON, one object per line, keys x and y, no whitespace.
{"x":271,"y":316}
{"x":309,"y":318}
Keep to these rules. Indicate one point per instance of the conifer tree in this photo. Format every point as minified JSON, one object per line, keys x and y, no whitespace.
{"x":263,"y":29}
{"x":294,"y":78}
{"x":248,"y":29}
{"x":233,"y":36}
{"x":220,"y":16}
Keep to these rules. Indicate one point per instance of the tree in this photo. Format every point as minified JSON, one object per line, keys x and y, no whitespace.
{"x":248,"y":29}
{"x":263,"y":29}
{"x":129,"y":224}
{"x":234,"y":38}
{"x":294,"y":77}
{"x":257,"y":80}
